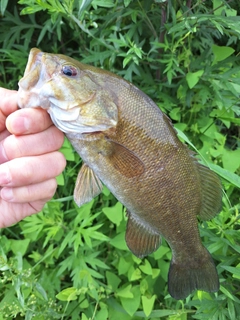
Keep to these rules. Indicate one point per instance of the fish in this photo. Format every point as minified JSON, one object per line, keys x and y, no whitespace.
{"x":129,"y":145}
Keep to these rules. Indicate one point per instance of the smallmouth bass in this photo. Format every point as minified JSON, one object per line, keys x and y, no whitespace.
{"x":128,"y":144}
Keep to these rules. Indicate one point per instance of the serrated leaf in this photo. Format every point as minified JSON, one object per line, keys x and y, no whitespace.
{"x":30,"y":10}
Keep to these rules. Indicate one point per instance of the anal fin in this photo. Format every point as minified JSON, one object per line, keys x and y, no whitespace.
{"x":141,"y":240}
{"x":87,"y":186}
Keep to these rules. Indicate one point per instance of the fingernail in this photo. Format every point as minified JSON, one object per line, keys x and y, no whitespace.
{"x":7,"y":194}
{"x":5,"y":176}
{"x":18,"y":125}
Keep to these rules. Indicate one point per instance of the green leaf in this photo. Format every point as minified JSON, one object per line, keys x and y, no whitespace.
{"x":125,"y":292}
{"x":221,"y":53}
{"x":185,"y":138}
{"x":155,"y":314}
{"x":67,"y":150}
{"x":119,"y":241}
{"x":68,"y":294}
{"x":234,"y":270}
{"x":103,"y":3}
{"x":231,"y":159}
{"x":20,"y":246}
{"x":115,"y":213}
{"x":123,"y":265}
{"x":41,"y":290}
{"x":231,"y":310}
{"x":148,"y":304}
{"x":232,"y":120}
{"x":227,"y":175}
{"x":113,"y":280}
{"x":134,"y":274}
{"x":131,"y":305}
{"x":4,"y":4}
{"x":193,"y":78}
{"x":146,"y":267}
{"x":127,"y":2}
{"x":83,"y":5}
{"x":60,"y":179}
{"x":84,"y":317}
{"x":229,"y":294}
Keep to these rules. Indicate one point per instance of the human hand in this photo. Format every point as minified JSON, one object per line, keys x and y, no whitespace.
{"x":29,"y":160}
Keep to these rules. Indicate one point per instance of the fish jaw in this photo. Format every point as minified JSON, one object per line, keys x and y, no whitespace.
{"x":76,"y":104}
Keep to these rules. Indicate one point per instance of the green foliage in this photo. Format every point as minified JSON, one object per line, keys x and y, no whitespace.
{"x":73,"y":263}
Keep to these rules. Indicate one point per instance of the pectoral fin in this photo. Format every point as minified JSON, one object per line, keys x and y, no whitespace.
{"x":87,"y":186}
{"x":125,"y":161}
{"x":141,"y":240}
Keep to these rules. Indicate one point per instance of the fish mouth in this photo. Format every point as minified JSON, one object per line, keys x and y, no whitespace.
{"x":32,"y":72}
{"x":35,"y":76}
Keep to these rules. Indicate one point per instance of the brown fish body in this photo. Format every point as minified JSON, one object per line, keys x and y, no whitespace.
{"x":131,"y":146}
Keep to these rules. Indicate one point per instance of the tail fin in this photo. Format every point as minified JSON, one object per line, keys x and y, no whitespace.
{"x":183,"y":278}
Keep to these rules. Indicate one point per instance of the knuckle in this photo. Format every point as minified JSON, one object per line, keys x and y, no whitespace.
{"x":56,"y":138}
{"x":12,"y":147}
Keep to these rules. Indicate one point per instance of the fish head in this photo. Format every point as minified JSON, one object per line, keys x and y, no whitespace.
{"x":74,"y":98}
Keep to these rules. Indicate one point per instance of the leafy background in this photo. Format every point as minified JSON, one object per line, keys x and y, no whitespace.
{"x":73,"y":263}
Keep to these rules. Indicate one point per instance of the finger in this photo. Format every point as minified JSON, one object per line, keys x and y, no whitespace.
{"x":31,"y":193}
{"x":8,"y":102}
{"x":25,"y":121}
{"x":31,"y":170}
{"x":31,"y":145}
{"x":2,"y":120}
{"x":13,"y":212}
{"x":4,"y":134}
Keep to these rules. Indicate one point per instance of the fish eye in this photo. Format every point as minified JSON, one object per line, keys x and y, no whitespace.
{"x":69,"y":71}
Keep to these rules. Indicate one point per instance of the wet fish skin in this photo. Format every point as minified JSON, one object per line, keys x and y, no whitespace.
{"x":127,"y":143}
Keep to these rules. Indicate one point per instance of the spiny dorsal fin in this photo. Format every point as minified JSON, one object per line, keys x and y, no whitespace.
{"x":125,"y":161}
{"x":211,"y":193}
{"x":87,"y":186}
{"x":141,"y":240}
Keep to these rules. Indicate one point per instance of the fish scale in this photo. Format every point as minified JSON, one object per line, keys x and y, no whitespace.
{"x":128,"y":144}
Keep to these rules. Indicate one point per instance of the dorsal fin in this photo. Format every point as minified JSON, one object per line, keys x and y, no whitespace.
{"x":141,"y":239}
{"x":211,"y":193}
{"x":87,"y":186}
